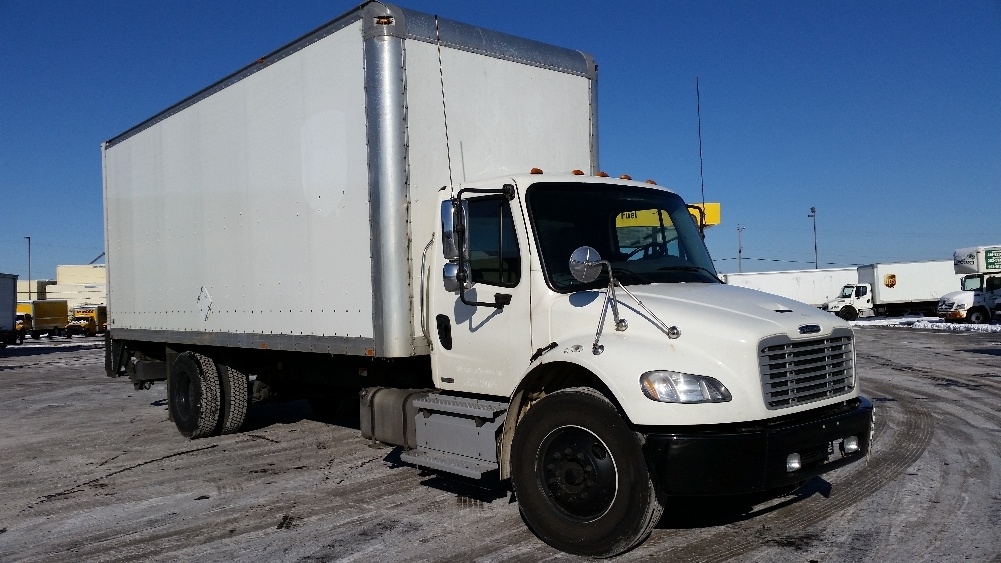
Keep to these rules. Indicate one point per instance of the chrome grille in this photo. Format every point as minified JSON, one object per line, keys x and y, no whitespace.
{"x":799,"y":372}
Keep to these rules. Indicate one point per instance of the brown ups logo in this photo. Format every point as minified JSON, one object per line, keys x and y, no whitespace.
{"x":890,"y":280}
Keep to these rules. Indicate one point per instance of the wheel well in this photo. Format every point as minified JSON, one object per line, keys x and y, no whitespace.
{"x":541,"y":381}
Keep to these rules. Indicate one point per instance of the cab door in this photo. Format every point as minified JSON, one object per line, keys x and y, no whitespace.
{"x":482,"y":334}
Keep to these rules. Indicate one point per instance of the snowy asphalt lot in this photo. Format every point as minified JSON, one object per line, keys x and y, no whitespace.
{"x":92,"y":470}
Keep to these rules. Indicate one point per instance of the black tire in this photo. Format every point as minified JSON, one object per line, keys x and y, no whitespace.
{"x":35,"y":335}
{"x":193,"y":395}
{"x":978,"y":317}
{"x":599,"y":500}
{"x":848,"y":313}
{"x":235,"y":398}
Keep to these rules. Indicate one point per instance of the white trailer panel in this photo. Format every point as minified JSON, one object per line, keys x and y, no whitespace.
{"x":814,"y":287}
{"x":906,"y":282}
{"x":8,"y":302}
{"x":239,"y":213}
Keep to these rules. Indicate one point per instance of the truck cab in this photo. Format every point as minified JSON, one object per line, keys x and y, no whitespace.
{"x":975,"y":302}
{"x":87,"y":320}
{"x":854,"y":301}
{"x":593,"y":307}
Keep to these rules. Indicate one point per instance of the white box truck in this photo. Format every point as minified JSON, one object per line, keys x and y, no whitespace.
{"x":894,"y":289}
{"x":8,"y":311}
{"x":979,"y":297}
{"x":308,"y":222}
{"x":813,"y":287}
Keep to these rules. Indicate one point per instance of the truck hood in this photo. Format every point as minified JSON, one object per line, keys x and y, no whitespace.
{"x":715,"y":308}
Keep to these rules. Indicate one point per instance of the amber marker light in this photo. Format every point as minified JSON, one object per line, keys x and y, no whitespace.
{"x":625,"y":177}
{"x":536,"y":171}
{"x":602,"y":174}
{"x":578,"y":172}
{"x":651,"y":182}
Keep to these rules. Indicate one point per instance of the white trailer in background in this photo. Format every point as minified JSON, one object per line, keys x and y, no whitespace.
{"x":308,"y":221}
{"x":8,"y":311}
{"x":979,"y":298}
{"x":813,"y":287}
{"x":897,"y":288}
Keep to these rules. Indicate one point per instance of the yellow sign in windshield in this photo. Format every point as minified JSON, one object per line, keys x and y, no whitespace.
{"x":651,"y":217}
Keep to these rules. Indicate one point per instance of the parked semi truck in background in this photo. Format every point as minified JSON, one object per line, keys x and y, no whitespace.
{"x":979,"y":296}
{"x":44,"y":317}
{"x":892,"y":289}
{"x":9,"y":333}
{"x":813,"y":287}
{"x":307,"y":221}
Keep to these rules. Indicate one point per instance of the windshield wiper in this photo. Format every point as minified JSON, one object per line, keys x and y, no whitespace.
{"x":690,"y":269}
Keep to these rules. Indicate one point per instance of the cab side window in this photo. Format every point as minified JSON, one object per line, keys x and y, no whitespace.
{"x":494,"y":258}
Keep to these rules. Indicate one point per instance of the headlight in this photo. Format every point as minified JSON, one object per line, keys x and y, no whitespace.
{"x":960,"y":306}
{"x":674,"y":387}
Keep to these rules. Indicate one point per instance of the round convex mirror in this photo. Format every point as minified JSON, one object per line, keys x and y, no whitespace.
{"x":585,"y":264}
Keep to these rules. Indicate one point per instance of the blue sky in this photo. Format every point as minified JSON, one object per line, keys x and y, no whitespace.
{"x":886,"y":116}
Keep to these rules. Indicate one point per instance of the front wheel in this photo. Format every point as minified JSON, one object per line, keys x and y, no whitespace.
{"x":848,"y":313}
{"x":978,"y":317}
{"x":582,"y":482}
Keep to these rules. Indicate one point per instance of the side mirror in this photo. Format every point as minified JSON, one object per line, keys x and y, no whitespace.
{"x":452,"y":223}
{"x":585,"y":264}
{"x":450,"y":277}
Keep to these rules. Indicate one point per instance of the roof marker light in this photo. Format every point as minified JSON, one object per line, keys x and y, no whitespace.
{"x":602,"y":174}
{"x":384,"y":20}
{"x":625,"y":177}
{"x":578,"y":172}
{"x":536,"y":171}
{"x":651,"y":182}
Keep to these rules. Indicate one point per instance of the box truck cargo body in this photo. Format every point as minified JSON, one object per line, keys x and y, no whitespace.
{"x":813,"y":287}
{"x":896,"y":288}
{"x":44,"y":317}
{"x":353,"y":217}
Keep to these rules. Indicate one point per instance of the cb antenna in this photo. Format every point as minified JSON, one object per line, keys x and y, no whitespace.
{"x":444,"y":113}
{"x":698,"y":110}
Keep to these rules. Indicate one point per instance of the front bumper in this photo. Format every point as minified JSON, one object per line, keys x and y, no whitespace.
{"x":749,"y":458}
{"x":952,"y":315}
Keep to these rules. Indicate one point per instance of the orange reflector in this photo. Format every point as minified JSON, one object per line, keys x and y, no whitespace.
{"x":602,"y":174}
{"x":578,"y":172}
{"x":369,"y":351}
{"x":536,"y":171}
{"x":651,"y":182}
{"x":625,"y":177}
{"x":383,"y":20}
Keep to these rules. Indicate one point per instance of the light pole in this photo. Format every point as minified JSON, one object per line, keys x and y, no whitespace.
{"x":29,"y":268}
{"x":816,"y":261}
{"x":740,"y":250}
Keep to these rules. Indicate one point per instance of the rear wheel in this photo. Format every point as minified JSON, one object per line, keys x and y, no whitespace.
{"x":848,"y":313}
{"x":193,"y":395}
{"x":582,"y":481}
{"x":235,"y":398}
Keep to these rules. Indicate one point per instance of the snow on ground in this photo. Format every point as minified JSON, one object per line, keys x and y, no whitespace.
{"x":926,"y":323}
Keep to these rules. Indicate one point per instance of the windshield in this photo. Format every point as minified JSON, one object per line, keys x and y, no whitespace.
{"x":647,"y":234}
{"x":972,"y":283}
{"x":847,"y":291}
